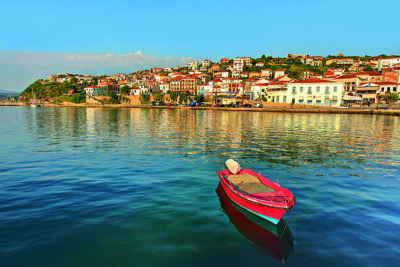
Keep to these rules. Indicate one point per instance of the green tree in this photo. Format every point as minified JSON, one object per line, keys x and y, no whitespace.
{"x":74,"y":80}
{"x":391,"y":98}
{"x":182,"y":97}
{"x":125,"y":89}
{"x":77,"y":99}
{"x":199,"y":98}
{"x":173,"y":96}
{"x":295,"y":72}
{"x":114,"y":99}
{"x":368,"y":68}
{"x":158,"y":96}
{"x":144,"y":98}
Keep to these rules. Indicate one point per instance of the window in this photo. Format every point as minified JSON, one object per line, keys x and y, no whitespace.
{"x":301,"y":89}
{"x":335,"y":89}
{"x":318,"y":102}
{"x":327,"y":90}
{"x":277,"y":99}
{"x":318,"y":89}
{"x":293,"y":89}
{"x":309,"y":102}
{"x":309,"y":90}
{"x":284,"y":99}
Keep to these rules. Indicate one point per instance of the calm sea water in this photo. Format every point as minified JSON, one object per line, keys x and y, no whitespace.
{"x":137,"y":187}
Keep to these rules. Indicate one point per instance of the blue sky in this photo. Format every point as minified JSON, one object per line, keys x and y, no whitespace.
{"x":39,"y":38}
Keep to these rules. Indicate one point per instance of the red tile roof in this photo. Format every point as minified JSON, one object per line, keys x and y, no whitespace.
{"x":314,"y":80}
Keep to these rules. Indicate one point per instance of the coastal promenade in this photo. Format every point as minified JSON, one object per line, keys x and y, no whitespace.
{"x":329,"y":110}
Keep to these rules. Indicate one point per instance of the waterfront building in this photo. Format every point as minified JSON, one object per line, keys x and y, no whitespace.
{"x":187,"y":84}
{"x":94,"y":90}
{"x":373,"y":91}
{"x":387,"y":88}
{"x":108,"y":87}
{"x":135,"y":91}
{"x":312,"y":92}
{"x":259,"y":90}
{"x":231,"y":85}
{"x":367,"y":92}
{"x":164,"y":87}
{"x":276,"y":89}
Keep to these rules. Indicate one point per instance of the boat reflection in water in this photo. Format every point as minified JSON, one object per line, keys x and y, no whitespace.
{"x":275,"y":239}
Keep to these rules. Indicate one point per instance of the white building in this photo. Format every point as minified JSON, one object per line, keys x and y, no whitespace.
{"x":192,"y":65}
{"x":164,"y":87}
{"x":237,"y":66}
{"x":312,"y":92}
{"x":206,"y":63}
{"x":388,"y":62}
{"x":258,"y":90}
{"x":266,"y":73}
{"x":135,"y":91}
{"x":94,"y":90}
{"x":243,"y":60}
{"x":279,"y":73}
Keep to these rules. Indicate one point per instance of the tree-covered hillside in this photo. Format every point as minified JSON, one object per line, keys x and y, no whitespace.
{"x":46,"y":91}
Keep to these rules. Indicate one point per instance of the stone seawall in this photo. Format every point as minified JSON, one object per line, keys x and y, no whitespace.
{"x":305,"y":109}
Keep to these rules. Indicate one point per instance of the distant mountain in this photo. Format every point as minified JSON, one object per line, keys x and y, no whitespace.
{"x":8,"y":93}
{"x":2,"y":91}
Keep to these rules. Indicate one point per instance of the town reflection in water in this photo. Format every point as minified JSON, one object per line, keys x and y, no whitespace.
{"x":273,"y":138}
{"x":276,"y":240}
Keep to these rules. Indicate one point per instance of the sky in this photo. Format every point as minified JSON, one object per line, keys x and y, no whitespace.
{"x":40,"y":37}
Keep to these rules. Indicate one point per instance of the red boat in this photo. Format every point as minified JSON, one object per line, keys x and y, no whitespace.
{"x":257,"y":194}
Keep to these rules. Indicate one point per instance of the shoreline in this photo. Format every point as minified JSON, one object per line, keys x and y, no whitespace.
{"x":372,"y":111}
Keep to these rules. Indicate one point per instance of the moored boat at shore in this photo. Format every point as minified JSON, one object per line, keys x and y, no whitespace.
{"x":256,"y":193}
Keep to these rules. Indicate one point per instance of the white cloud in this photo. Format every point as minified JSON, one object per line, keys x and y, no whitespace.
{"x":20,"y":68}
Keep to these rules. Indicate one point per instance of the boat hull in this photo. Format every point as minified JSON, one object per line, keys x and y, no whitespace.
{"x":272,"y":211}
{"x":271,"y":214}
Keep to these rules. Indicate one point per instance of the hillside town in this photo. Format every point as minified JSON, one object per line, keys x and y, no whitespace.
{"x":333,"y":81}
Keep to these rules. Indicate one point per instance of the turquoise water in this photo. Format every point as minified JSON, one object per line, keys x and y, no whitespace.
{"x":137,"y":187}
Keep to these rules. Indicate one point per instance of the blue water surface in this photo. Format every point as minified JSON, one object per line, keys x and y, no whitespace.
{"x":137,"y":187}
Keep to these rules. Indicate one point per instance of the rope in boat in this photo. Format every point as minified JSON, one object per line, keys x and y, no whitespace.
{"x":287,"y":222}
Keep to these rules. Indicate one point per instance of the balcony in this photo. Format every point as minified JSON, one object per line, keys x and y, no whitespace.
{"x":294,"y":92}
